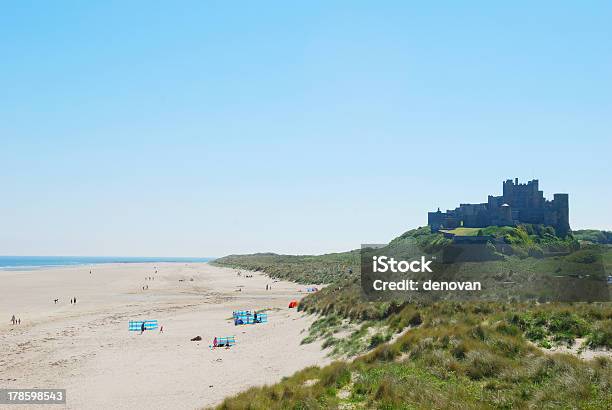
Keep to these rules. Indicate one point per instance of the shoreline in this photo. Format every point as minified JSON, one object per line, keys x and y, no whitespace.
{"x":95,"y":261}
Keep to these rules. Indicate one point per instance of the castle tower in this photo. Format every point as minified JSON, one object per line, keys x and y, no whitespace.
{"x":561,"y":206}
{"x":505,"y":215}
{"x":508,"y":189}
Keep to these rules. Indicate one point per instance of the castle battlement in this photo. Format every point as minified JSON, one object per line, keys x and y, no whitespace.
{"x":519,"y":203}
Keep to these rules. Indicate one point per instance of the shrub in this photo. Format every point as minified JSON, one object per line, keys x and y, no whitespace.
{"x":535,"y":334}
{"x":535,"y":251}
{"x":585,"y":256}
{"x":545,"y":344}
{"x":481,"y":364}
{"x":377,"y":339}
{"x":415,"y":320}
{"x":336,"y":375}
{"x":601,"y":335}
{"x":460,"y":350}
{"x":507,"y":329}
{"x":386,"y":353}
{"x":478,"y":332}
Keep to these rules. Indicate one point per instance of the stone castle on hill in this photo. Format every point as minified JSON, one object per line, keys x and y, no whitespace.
{"x":520,"y":203}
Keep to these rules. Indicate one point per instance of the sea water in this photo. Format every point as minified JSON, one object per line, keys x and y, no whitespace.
{"x":34,"y":262}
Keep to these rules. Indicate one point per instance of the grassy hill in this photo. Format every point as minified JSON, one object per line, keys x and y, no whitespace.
{"x":447,"y":354}
{"x":309,"y":269}
{"x":468,"y":356}
{"x":462,"y":231}
{"x":530,"y":243}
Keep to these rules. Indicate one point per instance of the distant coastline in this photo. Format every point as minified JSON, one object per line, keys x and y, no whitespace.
{"x":39,"y":262}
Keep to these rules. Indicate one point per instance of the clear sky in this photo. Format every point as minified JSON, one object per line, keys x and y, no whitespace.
{"x":207,"y":128}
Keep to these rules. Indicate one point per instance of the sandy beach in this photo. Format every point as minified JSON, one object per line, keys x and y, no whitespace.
{"x":87,"y":349}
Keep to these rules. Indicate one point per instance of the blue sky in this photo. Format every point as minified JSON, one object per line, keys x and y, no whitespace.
{"x":207,"y":128}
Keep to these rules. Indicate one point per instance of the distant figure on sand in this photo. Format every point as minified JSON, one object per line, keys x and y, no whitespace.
{"x":19,"y":320}
{"x":71,"y":301}
{"x":161,"y":329}
{"x":13,"y":320}
{"x":55,"y":301}
{"x":75,"y":300}
{"x":142,"y":328}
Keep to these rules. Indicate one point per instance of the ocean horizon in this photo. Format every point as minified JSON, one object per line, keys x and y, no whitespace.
{"x":35,"y":262}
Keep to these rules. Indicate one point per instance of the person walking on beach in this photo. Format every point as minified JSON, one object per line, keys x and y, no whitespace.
{"x":75,"y":300}
{"x":19,"y":320}
{"x":13,"y":320}
{"x":142,"y":328}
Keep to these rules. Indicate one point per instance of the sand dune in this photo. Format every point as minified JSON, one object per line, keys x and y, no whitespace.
{"x":87,"y":349}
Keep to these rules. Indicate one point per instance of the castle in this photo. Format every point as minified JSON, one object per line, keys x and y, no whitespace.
{"x":520,"y":203}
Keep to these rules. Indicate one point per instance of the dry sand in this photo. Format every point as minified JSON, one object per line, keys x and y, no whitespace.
{"x":86,"y":348}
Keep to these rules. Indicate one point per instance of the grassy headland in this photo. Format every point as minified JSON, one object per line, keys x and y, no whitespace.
{"x":446,"y":354}
{"x":310,"y":269}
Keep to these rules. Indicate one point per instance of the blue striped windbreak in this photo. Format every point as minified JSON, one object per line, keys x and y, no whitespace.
{"x":237,"y":313}
{"x":250,"y":319}
{"x":136,"y":325}
{"x":226,"y":341}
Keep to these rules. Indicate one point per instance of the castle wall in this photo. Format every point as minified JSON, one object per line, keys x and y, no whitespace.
{"x":520,"y":203}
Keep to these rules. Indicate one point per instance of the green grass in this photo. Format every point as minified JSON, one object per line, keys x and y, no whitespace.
{"x":308,"y":269}
{"x":448,"y":354}
{"x":463,"y":231}
{"x":464,"y":356}
{"x":523,"y":242}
